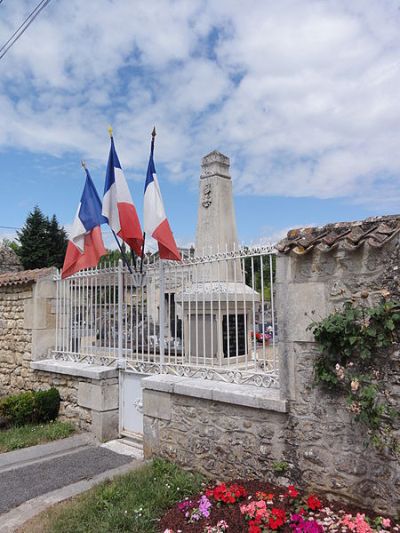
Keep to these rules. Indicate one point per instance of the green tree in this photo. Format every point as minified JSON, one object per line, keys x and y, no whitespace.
{"x":259,"y":267}
{"x":41,"y":242}
{"x":113,"y":256}
{"x":57,"y":243}
{"x":8,"y":243}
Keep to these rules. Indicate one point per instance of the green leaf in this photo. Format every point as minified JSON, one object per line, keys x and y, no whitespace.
{"x":390,"y":324}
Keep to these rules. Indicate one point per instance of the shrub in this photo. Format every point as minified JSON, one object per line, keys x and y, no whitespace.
{"x":355,"y":359}
{"x":47,"y":405}
{"x":18,"y":409}
{"x":30,"y":407}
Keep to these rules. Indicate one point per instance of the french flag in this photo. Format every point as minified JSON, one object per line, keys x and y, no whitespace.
{"x":85,"y":246}
{"x":155,"y":219}
{"x":118,"y":207}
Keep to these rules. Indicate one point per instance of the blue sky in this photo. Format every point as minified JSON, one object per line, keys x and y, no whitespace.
{"x":302,"y":95}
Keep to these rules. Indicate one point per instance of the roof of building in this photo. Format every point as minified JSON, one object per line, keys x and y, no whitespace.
{"x":25,"y":276}
{"x":375,"y":231}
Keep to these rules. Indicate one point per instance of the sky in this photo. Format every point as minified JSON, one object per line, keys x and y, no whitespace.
{"x":302,"y":95}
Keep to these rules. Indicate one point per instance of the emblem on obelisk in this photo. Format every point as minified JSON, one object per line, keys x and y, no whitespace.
{"x":206,"y":200}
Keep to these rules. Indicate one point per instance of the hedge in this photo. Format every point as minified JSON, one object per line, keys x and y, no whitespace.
{"x":30,"y":407}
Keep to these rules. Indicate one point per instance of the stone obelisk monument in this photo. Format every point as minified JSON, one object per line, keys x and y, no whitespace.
{"x":216,"y":223}
{"x":217,"y":303}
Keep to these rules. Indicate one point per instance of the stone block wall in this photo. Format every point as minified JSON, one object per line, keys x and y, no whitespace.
{"x":15,"y":339}
{"x":17,"y":320}
{"x":27,"y":335}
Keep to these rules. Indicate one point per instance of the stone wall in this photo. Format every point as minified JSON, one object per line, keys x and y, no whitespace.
{"x":16,"y":374}
{"x":323,"y":446}
{"x":219,"y":439}
{"x":328,"y":447}
{"x":89,"y":396}
{"x":15,"y":339}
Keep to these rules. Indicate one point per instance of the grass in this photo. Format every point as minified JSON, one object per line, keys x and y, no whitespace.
{"x":21,"y":437}
{"x":133,"y":502}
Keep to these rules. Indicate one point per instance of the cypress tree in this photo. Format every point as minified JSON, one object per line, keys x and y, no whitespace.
{"x":57,"y":238}
{"x":42,"y":242}
{"x":33,"y":240}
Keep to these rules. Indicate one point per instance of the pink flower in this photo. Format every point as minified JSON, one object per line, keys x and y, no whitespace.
{"x":357,"y":524}
{"x":386,"y":522}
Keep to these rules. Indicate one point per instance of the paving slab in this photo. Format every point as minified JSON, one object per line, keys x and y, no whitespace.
{"x":121,"y":446}
{"x":21,"y":484}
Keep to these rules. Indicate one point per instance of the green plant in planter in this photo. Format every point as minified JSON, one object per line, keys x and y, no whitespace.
{"x":353,"y":360}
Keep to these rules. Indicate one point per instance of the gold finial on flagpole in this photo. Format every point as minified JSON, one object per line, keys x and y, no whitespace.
{"x":154,"y":133}
{"x":110,"y":131}
{"x":83,"y":164}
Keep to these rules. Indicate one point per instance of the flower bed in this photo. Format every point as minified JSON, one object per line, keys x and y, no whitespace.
{"x":257,"y":507}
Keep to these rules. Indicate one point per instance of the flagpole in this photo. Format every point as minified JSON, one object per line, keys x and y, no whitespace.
{"x":123,"y":254}
{"x":112,"y":231}
{"x":162,"y":285}
{"x":153,"y":136}
{"x":142,"y":256}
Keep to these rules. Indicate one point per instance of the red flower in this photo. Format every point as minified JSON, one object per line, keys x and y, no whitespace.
{"x":277,"y":518}
{"x":266,"y":496}
{"x":292,"y":492}
{"x":238,"y":490}
{"x":254,"y":529}
{"x":313,"y":502}
{"x":301,"y":511}
{"x":230,"y":494}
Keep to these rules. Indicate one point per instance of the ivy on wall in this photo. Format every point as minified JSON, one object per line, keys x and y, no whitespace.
{"x":356,"y":344}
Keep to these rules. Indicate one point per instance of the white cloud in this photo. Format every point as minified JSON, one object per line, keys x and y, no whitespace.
{"x":302,"y":94}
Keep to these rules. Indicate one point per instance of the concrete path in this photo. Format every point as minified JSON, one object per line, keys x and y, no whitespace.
{"x":36,"y":477}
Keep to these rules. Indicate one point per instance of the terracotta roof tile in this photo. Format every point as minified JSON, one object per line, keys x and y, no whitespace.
{"x":25,"y":276}
{"x":375,"y":231}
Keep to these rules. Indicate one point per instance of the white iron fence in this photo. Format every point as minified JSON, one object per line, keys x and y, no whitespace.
{"x":211,"y":317}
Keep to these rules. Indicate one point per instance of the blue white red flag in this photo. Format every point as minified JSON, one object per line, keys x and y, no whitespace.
{"x":118,"y":206}
{"x":155,"y":219}
{"x":85,"y":246}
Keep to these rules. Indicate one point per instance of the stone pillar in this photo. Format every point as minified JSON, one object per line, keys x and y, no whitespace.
{"x":101,"y":397}
{"x":40,"y":317}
